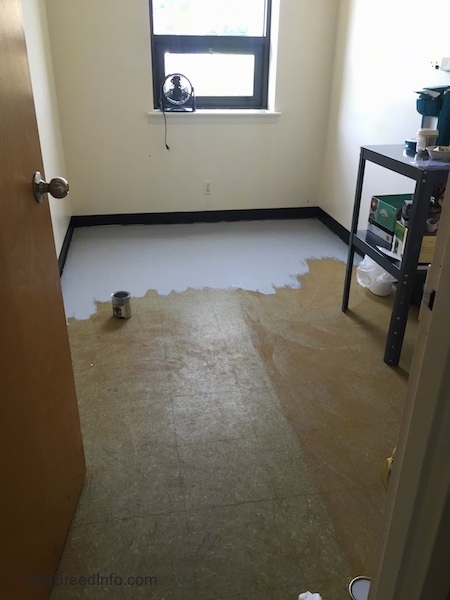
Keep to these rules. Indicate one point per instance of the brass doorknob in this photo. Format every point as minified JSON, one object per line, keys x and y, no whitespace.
{"x":58,"y":187}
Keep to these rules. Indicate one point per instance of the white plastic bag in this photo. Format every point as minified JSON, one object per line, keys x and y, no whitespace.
{"x":309,"y":596}
{"x":370,"y":275}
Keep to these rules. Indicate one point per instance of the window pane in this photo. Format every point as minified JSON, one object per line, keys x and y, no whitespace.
{"x":215,"y":74}
{"x":209,"y":17}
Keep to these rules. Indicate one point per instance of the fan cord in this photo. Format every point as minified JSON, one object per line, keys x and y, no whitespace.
{"x":165,"y":130}
{"x":165,"y":122}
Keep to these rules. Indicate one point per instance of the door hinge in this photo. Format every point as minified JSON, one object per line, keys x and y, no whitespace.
{"x":428,"y":299}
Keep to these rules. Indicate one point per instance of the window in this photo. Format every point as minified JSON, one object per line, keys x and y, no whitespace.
{"x":221,"y":46}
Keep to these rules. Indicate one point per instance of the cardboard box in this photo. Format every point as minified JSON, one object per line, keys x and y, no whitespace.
{"x":426,"y":249}
{"x":386,"y":210}
{"x":381,"y":233}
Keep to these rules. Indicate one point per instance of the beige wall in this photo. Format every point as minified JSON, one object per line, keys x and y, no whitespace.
{"x":384,"y":52}
{"x":115,"y":151}
{"x":39,"y":56}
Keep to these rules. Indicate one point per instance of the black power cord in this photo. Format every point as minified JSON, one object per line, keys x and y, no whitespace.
{"x":165,"y":121}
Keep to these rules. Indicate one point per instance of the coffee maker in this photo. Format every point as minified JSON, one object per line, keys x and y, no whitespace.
{"x":434,"y":103}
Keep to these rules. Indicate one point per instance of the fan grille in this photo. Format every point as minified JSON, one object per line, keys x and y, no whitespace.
{"x":177,"y":89}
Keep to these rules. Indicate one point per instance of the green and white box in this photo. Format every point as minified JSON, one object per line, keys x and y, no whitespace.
{"x":386,"y":210}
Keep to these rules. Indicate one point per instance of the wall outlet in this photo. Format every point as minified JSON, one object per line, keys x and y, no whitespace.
{"x":207,"y":187}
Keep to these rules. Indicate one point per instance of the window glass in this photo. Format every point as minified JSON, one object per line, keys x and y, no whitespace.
{"x":215,"y":74}
{"x":209,"y":17}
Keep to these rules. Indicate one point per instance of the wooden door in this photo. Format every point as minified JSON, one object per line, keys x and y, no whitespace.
{"x":41,"y":454}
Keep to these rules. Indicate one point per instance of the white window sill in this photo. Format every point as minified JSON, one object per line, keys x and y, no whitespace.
{"x":219,"y":114}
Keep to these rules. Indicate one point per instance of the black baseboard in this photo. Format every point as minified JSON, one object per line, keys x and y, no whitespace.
{"x":333,"y":225}
{"x":65,"y":248}
{"x":207,"y":216}
{"x":213,"y":216}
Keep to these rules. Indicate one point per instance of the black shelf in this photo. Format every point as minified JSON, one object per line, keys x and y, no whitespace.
{"x":429,"y":175}
{"x":397,"y":158}
{"x":361,"y":242}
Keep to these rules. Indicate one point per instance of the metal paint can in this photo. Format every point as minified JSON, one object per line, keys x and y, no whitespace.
{"x":359,"y":588}
{"x":121,"y":304}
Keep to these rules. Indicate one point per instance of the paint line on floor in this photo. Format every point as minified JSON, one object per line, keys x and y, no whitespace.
{"x":250,"y":255}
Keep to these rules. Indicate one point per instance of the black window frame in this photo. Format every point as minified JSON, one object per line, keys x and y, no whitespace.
{"x":257,"y":46}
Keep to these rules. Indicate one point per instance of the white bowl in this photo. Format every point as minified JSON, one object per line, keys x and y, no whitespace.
{"x":439,"y":152}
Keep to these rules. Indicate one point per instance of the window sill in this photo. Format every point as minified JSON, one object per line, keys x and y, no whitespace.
{"x":218,"y":114}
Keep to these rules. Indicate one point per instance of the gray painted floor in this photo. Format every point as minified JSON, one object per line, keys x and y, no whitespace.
{"x":252,"y":255}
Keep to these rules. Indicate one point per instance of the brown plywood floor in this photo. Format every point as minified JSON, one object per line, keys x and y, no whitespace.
{"x":234,"y":441}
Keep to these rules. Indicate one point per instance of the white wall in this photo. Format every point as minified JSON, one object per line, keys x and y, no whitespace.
{"x":41,"y":69}
{"x":115,"y":152}
{"x":384,"y":53}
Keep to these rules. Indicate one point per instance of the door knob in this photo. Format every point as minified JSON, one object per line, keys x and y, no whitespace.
{"x":58,"y":187}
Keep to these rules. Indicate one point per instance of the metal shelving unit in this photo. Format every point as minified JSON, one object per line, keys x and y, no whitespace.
{"x":428,"y":175}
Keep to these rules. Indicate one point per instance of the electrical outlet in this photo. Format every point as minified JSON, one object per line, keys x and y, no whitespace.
{"x":207,"y":187}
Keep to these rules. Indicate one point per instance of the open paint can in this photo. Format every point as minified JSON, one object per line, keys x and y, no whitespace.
{"x":121,"y":304}
{"x":359,"y":588}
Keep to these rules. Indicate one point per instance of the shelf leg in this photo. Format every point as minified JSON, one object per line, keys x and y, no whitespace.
{"x":354,"y":227}
{"x":399,"y":318}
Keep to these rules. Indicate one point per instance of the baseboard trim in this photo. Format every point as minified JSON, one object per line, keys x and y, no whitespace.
{"x":207,"y":216}
{"x":65,"y":247}
{"x":333,"y":225}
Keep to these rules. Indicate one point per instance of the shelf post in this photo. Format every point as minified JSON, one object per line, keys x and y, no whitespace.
{"x":425,"y":186}
{"x":354,"y":227}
